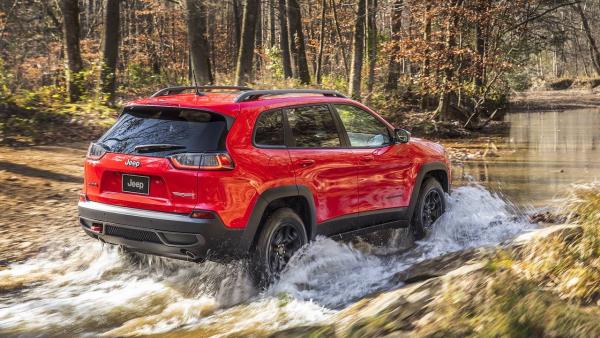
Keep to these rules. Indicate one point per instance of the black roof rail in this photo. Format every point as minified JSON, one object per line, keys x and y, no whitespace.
{"x":254,"y":94}
{"x":199,"y":89}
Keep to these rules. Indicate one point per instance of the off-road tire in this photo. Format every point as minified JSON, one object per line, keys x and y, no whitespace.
{"x":283,"y":222}
{"x":423,"y":219}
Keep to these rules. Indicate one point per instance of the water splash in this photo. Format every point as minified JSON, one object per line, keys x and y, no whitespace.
{"x":90,"y":289}
{"x":334,"y":274}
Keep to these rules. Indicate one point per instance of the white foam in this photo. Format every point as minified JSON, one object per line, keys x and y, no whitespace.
{"x":96,"y":290}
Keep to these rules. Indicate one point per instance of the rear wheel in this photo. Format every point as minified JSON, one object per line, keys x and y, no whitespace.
{"x":283,"y":235}
{"x":430,"y":206}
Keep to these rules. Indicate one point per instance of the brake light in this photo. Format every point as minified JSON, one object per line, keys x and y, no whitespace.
{"x":95,"y":151}
{"x":82,"y":197}
{"x":202,"y":161}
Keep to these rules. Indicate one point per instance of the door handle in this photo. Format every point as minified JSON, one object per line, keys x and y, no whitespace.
{"x":367,"y":158}
{"x":305,"y":163}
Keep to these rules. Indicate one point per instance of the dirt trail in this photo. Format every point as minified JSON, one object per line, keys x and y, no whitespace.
{"x":38,"y":195}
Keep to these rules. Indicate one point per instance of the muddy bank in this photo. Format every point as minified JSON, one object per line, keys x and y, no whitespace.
{"x":38,"y":193}
{"x":555,"y":100}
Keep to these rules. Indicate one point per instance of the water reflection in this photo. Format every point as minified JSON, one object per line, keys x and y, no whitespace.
{"x":549,"y":151}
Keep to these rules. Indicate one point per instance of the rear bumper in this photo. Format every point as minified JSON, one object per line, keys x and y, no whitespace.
{"x":160,"y":233}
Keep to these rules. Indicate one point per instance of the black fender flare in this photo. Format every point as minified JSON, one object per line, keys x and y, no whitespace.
{"x":425,"y":169}
{"x":263,"y":202}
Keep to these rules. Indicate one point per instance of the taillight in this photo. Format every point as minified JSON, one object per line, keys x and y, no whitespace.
{"x":202,"y":161}
{"x":95,"y":151}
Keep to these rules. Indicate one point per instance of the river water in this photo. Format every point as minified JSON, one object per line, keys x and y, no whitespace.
{"x":86,"y":289}
{"x":549,"y":151}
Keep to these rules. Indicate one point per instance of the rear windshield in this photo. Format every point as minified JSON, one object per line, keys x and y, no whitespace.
{"x":164,"y":131}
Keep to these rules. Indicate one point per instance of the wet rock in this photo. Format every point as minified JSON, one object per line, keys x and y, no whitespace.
{"x":306,"y":331}
{"x":547,"y":217}
{"x":439,"y":266}
{"x":565,"y":232}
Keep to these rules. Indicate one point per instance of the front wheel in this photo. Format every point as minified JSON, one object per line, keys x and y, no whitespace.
{"x":430,"y":206}
{"x":282,"y":235}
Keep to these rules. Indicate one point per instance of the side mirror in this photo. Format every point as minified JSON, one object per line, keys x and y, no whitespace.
{"x":402,"y":135}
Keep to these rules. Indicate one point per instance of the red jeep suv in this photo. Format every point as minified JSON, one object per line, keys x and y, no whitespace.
{"x":230,"y":172}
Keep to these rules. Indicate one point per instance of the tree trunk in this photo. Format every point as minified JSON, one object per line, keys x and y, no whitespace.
{"x":271,"y":23}
{"x":243,"y":71}
{"x":426,"y":62}
{"x":594,"y":53}
{"x":357,"y":50}
{"x":197,"y":30}
{"x":259,"y":37}
{"x":371,"y":43}
{"x":321,"y":42}
{"x":110,"y":49}
{"x":391,"y":82}
{"x":340,"y":38}
{"x":237,"y":28}
{"x":443,"y":111}
{"x":284,"y":42}
{"x":71,"y":33}
{"x":480,"y":49}
{"x":296,"y":40}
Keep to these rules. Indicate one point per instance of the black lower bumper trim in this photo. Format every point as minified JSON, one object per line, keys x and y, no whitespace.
{"x":163,"y":234}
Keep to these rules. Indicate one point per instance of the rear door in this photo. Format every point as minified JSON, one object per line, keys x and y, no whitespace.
{"x":136,"y":171}
{"x":383,"y":184}
{"x":322,"y":163}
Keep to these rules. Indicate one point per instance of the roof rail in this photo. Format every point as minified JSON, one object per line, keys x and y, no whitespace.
{"x":254,"y":94}
{"x":199,"y":89}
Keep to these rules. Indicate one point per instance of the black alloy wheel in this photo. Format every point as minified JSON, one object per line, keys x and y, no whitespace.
{"x":433,"y":208}
{"x":284,"y":243}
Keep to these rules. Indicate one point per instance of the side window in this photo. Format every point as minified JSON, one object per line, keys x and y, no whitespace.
{"x":313,"y":127}
{"x":269,"y":129}
{"x":364,"y":129}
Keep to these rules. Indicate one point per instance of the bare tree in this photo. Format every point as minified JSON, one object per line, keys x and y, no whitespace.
{"x":284,"y":42}
{"x":297,"y":44}
{"x":197,"y":31}
{"x":357,"y":50}
{"x":245,"y":56}
{"x":371,"y":42}
{"x":594,"y":53}
{"x":391,"y":82}
{"x":71,"y":33}
{"x":110,"y":48}
{"x":321,"y":42}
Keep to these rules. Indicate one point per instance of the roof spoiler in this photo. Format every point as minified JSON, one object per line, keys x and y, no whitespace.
{"x":199,"y":89}
{"x":254,"y":94}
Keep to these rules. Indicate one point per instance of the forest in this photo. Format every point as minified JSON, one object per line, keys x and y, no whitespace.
{"x":510,"y":89}
{"x":448,"y":60}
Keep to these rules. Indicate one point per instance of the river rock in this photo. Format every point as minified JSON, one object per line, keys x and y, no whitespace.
{"x":440,"y":266}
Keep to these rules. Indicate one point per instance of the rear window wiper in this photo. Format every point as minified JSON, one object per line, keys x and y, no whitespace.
{"x":145,"y":148}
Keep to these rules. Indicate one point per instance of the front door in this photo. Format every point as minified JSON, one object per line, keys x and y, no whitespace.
{"x":383,"y":184}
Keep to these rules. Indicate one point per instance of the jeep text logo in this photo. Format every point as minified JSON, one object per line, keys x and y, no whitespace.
{"x":134,"y":184}
{"x":132,"y":163}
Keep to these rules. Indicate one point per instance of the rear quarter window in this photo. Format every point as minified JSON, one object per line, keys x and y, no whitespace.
{"x":269,"y":130}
